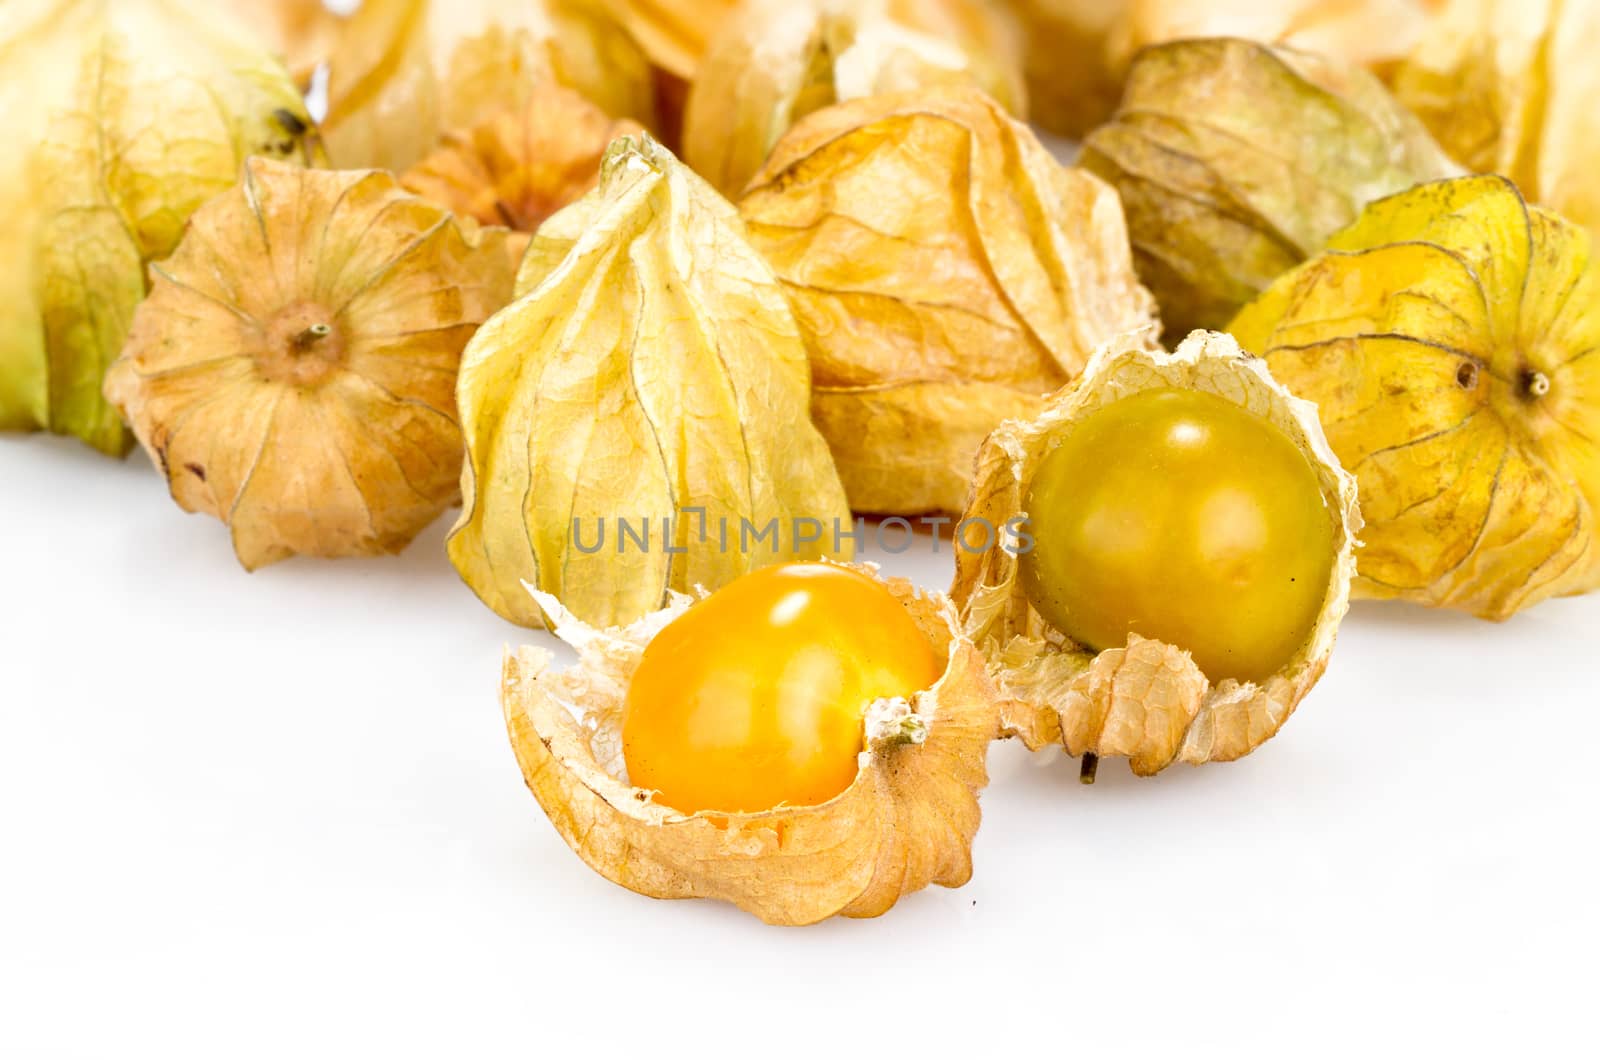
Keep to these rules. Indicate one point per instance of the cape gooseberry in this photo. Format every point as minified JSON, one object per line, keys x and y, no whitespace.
{"x":755,"y":697}
{"x":1183,"y":517}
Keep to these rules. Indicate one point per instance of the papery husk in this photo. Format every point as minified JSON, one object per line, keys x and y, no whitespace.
{"x":341,"y":442}
{"x":520,"y":166}
{"x":1450,"y":340}
{"x":779,"y":60}
{"x":121,"y":118}
{"x":906,"y":821}
{"x":947,"y":273}
{"x":1147,"y":701}
{"x":300,"y":32}
{"x":1236,"y":161}
{"x":406,"y":72}
{"x":1511,"y":88}
{"x":650,"y":370}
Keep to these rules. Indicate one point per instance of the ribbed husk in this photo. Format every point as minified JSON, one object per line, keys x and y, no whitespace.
{"x":1510,"y":87}
{"x":779,"y":60}
{"x":522,"y":165}
{"x":405,"y":72}
{"x":122,"y":117}
{"x":335,"y":442}
{"x":650,"y":369}
{"x":1147,"y":701}
{"x":1451,"y":343}
{"x":906,"y":821}
{"x":947,"y":273}
{"x":1236,"y":161}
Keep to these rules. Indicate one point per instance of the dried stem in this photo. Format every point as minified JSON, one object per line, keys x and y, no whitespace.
{"x":311,"y":336}
{"x":1088,"y":767}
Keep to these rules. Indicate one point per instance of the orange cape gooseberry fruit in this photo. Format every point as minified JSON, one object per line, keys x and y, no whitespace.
{"x":907,"y":812}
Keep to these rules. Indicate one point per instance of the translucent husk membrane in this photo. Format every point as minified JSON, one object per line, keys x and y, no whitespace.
{"x":1147,"y":701}
{"x":651,"y":372}
{"x":122,"y":117}
{"x":946,"y":272}
{"x":293,"y":371}
{"x":906,"y":821}
{"x":1237,"y":160}
{"x":1450,"y":340}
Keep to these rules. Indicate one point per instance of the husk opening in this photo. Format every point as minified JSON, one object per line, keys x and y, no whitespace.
{"x":906,"y":821}
{"x":1147,"y":701}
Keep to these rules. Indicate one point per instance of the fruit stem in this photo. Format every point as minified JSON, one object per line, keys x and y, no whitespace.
{"x":1088,"y":767}
{"x":1538,"y":384}
{"x":311,"y":336}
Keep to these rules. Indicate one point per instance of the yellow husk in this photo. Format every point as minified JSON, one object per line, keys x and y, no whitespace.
{"x":1237,"y":160}
{"x":1510,"y":87}
{"x":906,"y":821}
{"x":1148,"y":701}
{"x":650,"y":370}
{"x":1450,"y":340}
{"x":335,"y":443}
{"x":122,"y":117}
{"x":947,"y":273}
{"x":405,"y":72}
{"x":779,"y":60}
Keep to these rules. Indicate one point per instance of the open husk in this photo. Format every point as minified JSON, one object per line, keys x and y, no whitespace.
{"x":293,"y":371}
{"x":779,"y":60}
{"x":906,"y":821}
{"x":1450,"y":341}
{"x":1510,"y":87}
{"x":947,"y":274}
{"x":405,"y":72}
{"x":1237,"y":160}
{"x":1147,"y":702}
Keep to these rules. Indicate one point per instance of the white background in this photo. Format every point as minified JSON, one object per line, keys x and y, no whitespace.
{"x":277,"y":815}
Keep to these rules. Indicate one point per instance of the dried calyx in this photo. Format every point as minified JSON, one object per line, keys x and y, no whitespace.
{"x":907,"y":820}
{"x":985,"y":282}
{"x":520,"y":166}
{"x":1146,"y":700}
{"x":1449,"y":340}
{"x":293,"y":370}
{"x":177,"y":98}
{"x":1237,"y":160}
{"x":650,"y":371}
